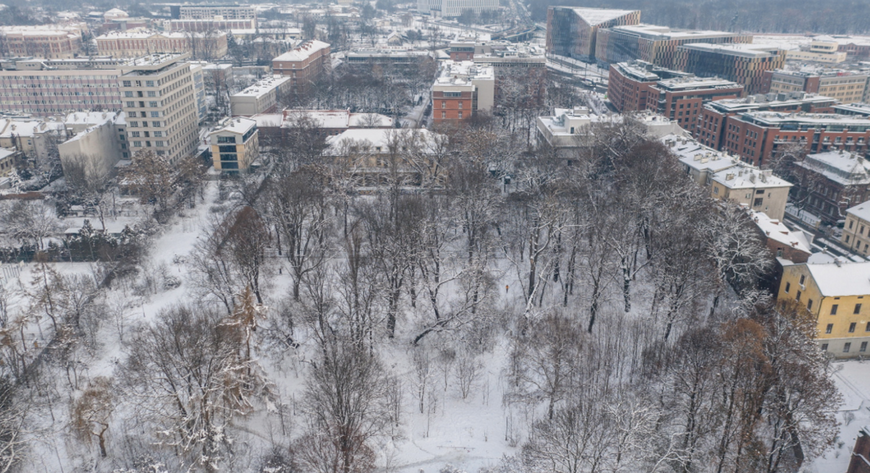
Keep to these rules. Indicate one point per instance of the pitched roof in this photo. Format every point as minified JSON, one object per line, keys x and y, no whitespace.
{"x":844,"y":279}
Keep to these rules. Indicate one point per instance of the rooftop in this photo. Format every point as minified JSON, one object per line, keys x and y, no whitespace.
{"x":462,"y":73}
{"x":841,"y":279}
{"x":378,"y":139}
{"x":853,"y":108}
{"x":342,"y":118}
{"x":303,"y":51}
{"x":237,"y":125}
{"x":656,"y":32}
{"x":861,"y":211}
{"x":746,"y":176}
{"x":743,"y":50}
{"x":692,"y":83}
{"x":760,"y":101}
{"x":144,"y":34}
{"x":263,"y":86}
{"x":808,"y":120}
{"x":596,"y":16}
{"x":839,"y":166}
{"x":697,"y":156}
{"x":778,"y":231}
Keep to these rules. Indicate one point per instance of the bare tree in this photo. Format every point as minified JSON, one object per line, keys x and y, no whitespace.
{"x":92,"y":411}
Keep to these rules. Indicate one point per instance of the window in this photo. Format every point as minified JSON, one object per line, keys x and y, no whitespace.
{"x":863,"y":347}
{"x":852,"y":327}
{"x":798,"y":296}
{"x":803,"y":278}
{"x":829,"y":328}
{"x":460,"y":115}
{"x":137,"y":143}
{"x":131,"y":104}
{"x":127,"y":83}
{"x":155,"y":114}
{"x":460,"y":105}
{"x":846,"y":347}
{"x":443,"y":104}
{"x":158,"y":143}
{"x":715,"y":190}
{"x":809,"y":304}
{"x":226,"y":139}
{"x":128,"y":93}
{"x":155,"y":124}
{"x":857,"y":309}
{"x":824,"y":347}
{"x":227,"y":148}
{"x":152,"y":104}
{"x":149,"y":83}
{"x":443,"y":114}
{"x":134,"y":134}
{"x":134,"y":124}
{"x":151,"y":93}
{"x":131,"y":114}
{"x":834,"y":309}
{"x":758,"y":202}
{"x":787,"y":287}
{"x":868,"y":327}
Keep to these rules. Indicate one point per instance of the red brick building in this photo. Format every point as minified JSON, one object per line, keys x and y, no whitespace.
{"x":461,"y":90}
{"x":682,"y":99}
{"x":305,"y":64}
{"x":714,"y":122}
{"x":629,"y":84}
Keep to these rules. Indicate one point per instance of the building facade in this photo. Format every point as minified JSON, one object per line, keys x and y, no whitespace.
{"x":264,"y":96}
{"x":235,"y":145}
{"x":454,"y":8}
{"x":741,"y":63}
{"x":205,"y":46}
{"x":831,"y":182}
{"x":820,"y":50}
{"x":757,"y":189}
{"x":845,"y":86}
{"x":56,"y":92}
{"x":205,"y":12}
{"x":45,"y":41}
{"x":212,"y":24}
{"x":96,"y":142}
{"x":305,"y":65}
{"x":629,"y":84}
{"x":681,"y":99}
{"x":461,"y":90}
{"x":654,"y":44}
{"x":837,"y":295}
{"x":159,"y":102}
{"x":573,"y":31}
{"x":856,"y":229}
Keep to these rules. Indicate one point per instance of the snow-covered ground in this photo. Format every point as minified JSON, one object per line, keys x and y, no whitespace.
{"x":853,"y":381}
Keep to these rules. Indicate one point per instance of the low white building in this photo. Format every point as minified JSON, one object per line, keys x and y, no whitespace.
{"x":262,"y":97}
{"x":97,"y":141}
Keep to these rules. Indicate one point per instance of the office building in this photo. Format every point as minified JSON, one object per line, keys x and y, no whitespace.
{"x":629,"y":84}
{"x":823,"y":50}
{"x":212,"y":24}
{"x":44,"y":93}
{"x":845,"y":86}
{"x":235,"y":145}
{"x":741,"y":63}
{"x":454,"y":8}
{"x":205,"y":12}
{"x":654,"y":44}
{"x":573,"y":31}
{"x":159,"y":102}
{"x":304,"y":64}
{"x":461,"y":90}
{"x":682,"y":98}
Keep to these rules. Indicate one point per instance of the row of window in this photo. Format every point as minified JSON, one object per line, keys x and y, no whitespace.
{"x":830,"y":327}
{"x":847,"y":347}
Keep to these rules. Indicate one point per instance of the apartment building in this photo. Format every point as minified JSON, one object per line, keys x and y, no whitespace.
{"x":45,"y":41}
{"x":36,"y":139}
{"x":389,"y":60}
{"x":44,"y":93}
{"x":573,"y":31}
{"x":837,"y":295}
{"x":264,"y":96}
{"x":461,"y":90}
{"x":741,"y":63}
{"x":831,"y":182}
{"x":845,"y":86}
{"x":654,"y":44}
{"x":205,"y":46}
{"x":856,"y":229}
{"x":715,"y":115}
{"x":681,"y":99}
{"x":757,"y":189}
{"x":159,"y":102}
{"x":235,"y":145}
{"x":304,"y":64}
{"x":853,"y":109}
{"x":784,"y":243}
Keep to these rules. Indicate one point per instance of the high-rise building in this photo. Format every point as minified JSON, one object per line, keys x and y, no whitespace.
{"x":573,"y":31}
{"x":159,"y":102}
{"x":654,"y":44}
{"x":741,"y":63}
{"x":845,"y":86}
{"x":304,"y":64}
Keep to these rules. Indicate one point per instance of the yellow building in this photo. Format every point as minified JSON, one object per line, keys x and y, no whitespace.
{"x":856,"y":230}
{"x":838,"y":297}
{"x":758,"y":189}
{"x":235,"y":145}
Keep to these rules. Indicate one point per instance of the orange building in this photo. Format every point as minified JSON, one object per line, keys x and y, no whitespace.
{"x":304,"y":64}
{"x":461,"y":90}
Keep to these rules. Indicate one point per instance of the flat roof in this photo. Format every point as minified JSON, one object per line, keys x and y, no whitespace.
{"x":596,"y":16}
{"x":697,"y":156}
{"x":303,"y":51}
{"x":839,"y":166}
{"x":685,"y":83}
{"x":665,"y":33}
{"x":263,"y":86}
{"x":237,"y":125}
{"x":746,"y":176}
{"x":736,"y":49}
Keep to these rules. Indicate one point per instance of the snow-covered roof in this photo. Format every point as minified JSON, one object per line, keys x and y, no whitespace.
{"x":463,"y":72}
{"x":379,"y":139}
{"x":28,"y":127}
{"x":736,"y":49}
{"x":303,"y":51}
{"x":657,"y":32}
{"x":236,"y":125}
{"x":767,"y":101}
{"x":839,"y":166}
{"x":693,"y":82}
{"x":269,"y":120}
{"x":861,"y":211}
{"x":778,"y":231}
{"x":854,"y":109}
{"x":88,"y":118}
{"x":697,"y":156}
{"x":844,"y":279}
{"x":746,"y":176}
{"x":263,"y":86}
{"x":596,"y":16}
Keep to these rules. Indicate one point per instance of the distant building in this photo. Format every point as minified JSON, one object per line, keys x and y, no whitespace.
{"x":854,"y":109}
{"x":204,"y":12}
{"x":44,"y":93}
{"x":836,"y":295}
{"x":208,"y":46}
{"x":654,"y":44}
{"x":845,"y":86}
{"x":856,"y":229}
{"x":715,"y":127}
{"x":7,"y":162}
{"x":272,"y":126}
{"x":832,"y":182}
{"x":305,"y":64}
{"x":46,"y":41}
{"x":699,"y":162}
{"x":820,"y":50}
{"x":36,"y":139}
{"x":757,"y":189}
{"x":860,"y":461}
{"x":264,"y":96}
{"x":682,"y":98}
{"x":160,"y":106}
{"x":629,"y":83}
{"x":388,"y":60}
{"x":741,"y":63}
{"x":212,"y":24}
{"x":461,"y":90}
{"x":454,"y":8}
{"x":573,"y":32}
{"x":235,"y":145}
